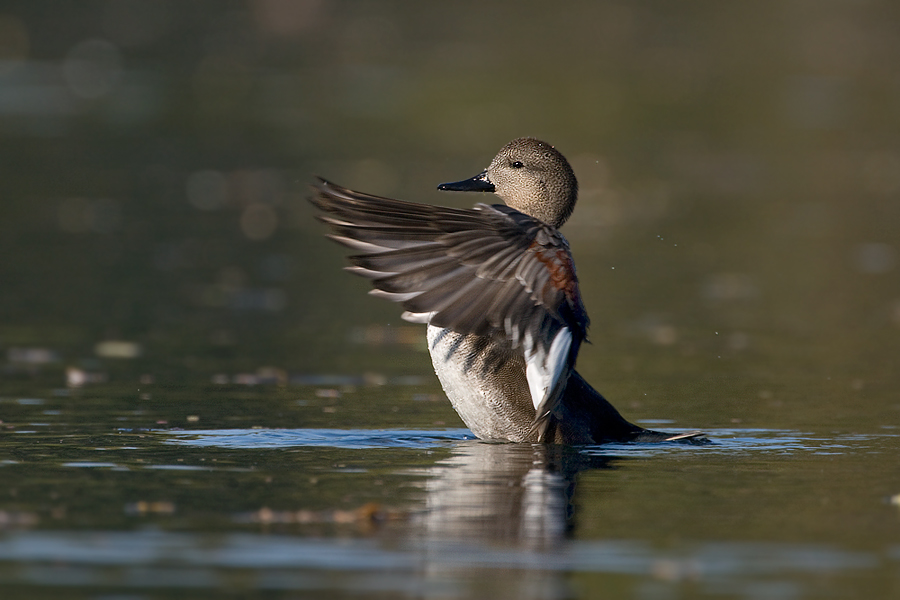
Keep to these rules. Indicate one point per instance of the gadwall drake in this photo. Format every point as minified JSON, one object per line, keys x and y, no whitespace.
{"x":496,"y":286}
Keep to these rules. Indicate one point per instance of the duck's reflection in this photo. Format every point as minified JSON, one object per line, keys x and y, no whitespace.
{"x":513,"y":494}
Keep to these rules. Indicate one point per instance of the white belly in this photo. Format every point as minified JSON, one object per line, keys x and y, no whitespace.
{"x":486,"y":384}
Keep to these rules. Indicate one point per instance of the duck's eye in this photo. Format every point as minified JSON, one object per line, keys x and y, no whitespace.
{"x":517,"y":164}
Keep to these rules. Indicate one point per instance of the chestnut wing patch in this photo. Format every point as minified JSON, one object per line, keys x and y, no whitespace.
{"x":489,"y":270}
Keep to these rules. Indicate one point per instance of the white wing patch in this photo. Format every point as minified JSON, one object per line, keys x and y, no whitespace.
{"x":543,"y":369}
{"x":418,"y":317}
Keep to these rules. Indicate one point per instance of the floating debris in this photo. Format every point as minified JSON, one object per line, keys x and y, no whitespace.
{"x":263,"y":376}
{"x":118,"y":349}
{"x":10,"y":519}
{"x":330,"y":383}
{"x":76,"y":377}
{"x":367,"y":515}
{"x":143,"y":507}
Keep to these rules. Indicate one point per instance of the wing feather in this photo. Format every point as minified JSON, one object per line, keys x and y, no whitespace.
{"x":489,"y":270}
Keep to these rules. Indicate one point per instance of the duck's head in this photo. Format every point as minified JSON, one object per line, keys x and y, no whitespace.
{"x":530,"y":176}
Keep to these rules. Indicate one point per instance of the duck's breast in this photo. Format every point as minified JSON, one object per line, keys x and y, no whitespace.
{"x":485,"y":382}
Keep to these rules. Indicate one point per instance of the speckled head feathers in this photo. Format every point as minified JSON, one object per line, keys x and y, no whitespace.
{"x":534,"y":178}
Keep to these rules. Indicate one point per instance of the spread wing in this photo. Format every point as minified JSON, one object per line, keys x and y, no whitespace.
{"x":490,"y":271}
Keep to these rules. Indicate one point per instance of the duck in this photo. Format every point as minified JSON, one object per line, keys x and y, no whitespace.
{"x":496,"y":286}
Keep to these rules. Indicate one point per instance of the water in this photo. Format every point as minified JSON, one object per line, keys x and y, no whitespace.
{"x":196,"y":401}
{"x":404,"y":512}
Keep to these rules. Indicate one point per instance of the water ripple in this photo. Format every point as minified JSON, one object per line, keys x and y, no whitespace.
{"x":360,"y":439}
{"x":148,"y":548}
{"x":724,"y":441}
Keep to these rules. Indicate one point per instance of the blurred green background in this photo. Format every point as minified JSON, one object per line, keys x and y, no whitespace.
{"x":736,"y":237}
